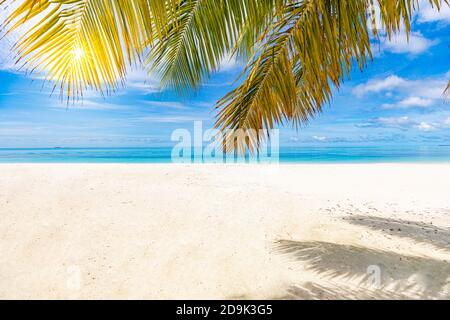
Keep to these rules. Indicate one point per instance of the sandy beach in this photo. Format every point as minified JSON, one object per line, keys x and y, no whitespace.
{"x":160,"y":231}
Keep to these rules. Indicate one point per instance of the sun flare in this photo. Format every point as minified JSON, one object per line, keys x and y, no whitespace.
{"x":78,"y":53}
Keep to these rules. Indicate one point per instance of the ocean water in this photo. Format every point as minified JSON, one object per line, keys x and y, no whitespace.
{"x":380,"y":154}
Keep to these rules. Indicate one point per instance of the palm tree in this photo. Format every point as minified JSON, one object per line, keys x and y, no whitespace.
{"x":296,"y":51}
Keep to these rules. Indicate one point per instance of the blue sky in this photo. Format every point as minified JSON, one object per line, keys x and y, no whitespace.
{"x":397,"y":100}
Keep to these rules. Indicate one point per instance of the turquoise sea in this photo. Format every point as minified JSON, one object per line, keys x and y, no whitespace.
{"x":383,"y":154}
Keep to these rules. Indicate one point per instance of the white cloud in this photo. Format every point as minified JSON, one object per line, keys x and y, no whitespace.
{"x":424,"y":126}
{"x":86,"y":104}
{"x":415,"y":44}
{"x":6,"y":56}
{"x":447,"y":123}
{"x":166,"y":104}
{"x":427,"y":13}
{"x":415,"y":102}
{"x":170,"y":105}
{"x":140,"y":80}
{"x":319,"y":138}
{"x":436,"y":121}
{"x":393,"y":121}
{"x":411,"y":102}
{"x":229,"y":63}
{"x":170,"y":119}
{"x":406,"y":93}
{"x":379,"y":85}
{"x":388,"y":122}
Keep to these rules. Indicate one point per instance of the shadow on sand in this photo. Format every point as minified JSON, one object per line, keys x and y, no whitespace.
{"x":315,"y":291}
{"x":338,"y":265}
{"x":422,"y":233}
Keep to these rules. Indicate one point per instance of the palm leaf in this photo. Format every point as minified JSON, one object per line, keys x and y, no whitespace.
{"x":311,"y":44}
{"x":81,"y":44}
{"x":198,"y":37}
{"x":308,"y":51}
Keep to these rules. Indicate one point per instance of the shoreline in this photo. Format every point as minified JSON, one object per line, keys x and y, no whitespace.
{"x":298,"y":155}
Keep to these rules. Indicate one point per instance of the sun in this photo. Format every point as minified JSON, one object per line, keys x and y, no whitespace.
{"x":78,"y":53}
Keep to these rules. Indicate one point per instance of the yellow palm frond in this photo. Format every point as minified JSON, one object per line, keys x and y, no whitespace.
{"x":81,"y":44}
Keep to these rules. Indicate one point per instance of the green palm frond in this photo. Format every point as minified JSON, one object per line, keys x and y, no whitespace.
{"x":198,"y":37}
{"x":259,"y":15}
{"x":308,"y":52}
{"x":312,"y":45}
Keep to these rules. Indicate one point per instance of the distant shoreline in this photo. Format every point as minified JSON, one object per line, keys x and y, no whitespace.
{"x":349,"y":154}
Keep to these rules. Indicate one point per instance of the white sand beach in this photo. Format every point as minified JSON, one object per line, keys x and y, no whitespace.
{"x":164,"y":231}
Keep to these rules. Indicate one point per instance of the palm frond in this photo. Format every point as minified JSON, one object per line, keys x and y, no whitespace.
{"x":307,"y":52}
{"x":447,"y":91}
{"x":81,"y":44}
{"x":197,"y":38}
{"x":311,"y":45}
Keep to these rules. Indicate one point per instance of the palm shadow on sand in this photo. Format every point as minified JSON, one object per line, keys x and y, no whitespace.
{"x":338,"y":265}
{"x":421,"y":233}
